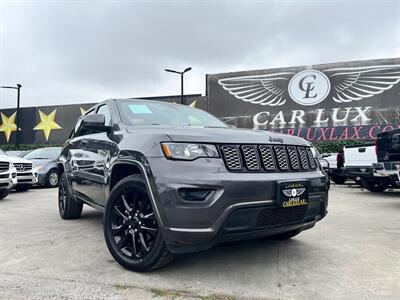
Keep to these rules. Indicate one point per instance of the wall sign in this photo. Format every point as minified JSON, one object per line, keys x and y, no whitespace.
{"x":353,"y":100}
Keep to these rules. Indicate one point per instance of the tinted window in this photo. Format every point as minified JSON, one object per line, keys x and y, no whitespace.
{"x":144,"y":113}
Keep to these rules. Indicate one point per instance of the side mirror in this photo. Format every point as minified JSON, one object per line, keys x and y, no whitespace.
{"x":95,"y":122}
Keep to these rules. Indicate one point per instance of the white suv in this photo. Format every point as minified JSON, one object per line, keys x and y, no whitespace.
{"x":26,"y":175}
{"x":8,"y":176}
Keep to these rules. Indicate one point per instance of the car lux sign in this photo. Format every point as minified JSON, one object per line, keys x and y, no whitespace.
{"x":354,"y":100}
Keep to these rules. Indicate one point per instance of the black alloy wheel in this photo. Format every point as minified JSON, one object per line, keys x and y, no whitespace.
{"x":131,"y":229}
{"x":134,"y":226}
{"x":67,"y":206}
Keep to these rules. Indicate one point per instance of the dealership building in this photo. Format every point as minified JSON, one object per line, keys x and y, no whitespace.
{"x":326,"y":102}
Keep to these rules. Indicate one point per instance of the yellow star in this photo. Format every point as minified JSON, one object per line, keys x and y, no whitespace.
{"x":8,"y":125}
{"x":193,"y":104}
{"x":47,"y":123}
{"x":83,"y":111}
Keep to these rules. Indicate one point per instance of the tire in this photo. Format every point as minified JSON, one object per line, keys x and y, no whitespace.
{"x":4,"y":193}
{"x":128,"y":208}
{"x":285,"y":236}
{"x":67,"y":206}
{"x":375,"y":186}
{"x":23,"y":188}
{"x":339,"y":179}
{"x":52,"y":179}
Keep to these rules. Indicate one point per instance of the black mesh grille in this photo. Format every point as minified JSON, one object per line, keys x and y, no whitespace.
{"x":311,"y":158}
{"x":281,"y":157}
{"x":251,"y":157}
{"x":267,"y":157}
{"x":303,"y":158}
{"x":4,"y":166}
{"x":261,"y":158}
{"x":293,"y":158}
{"x":232,"y":157}
{"x":275,"y":216}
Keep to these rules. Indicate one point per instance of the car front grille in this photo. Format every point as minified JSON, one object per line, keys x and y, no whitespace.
{"x":276,"y":216}
{"x":267,"y":158}
{"x":21,"y":167}
{"x":4,"y":166}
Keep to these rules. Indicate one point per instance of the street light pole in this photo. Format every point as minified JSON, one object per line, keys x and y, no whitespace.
{"x":180,"y":73}
{"x":18,"y":88}
{"x":18,"y":112}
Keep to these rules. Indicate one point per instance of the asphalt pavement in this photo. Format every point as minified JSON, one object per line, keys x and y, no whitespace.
{"x":354,"y":253}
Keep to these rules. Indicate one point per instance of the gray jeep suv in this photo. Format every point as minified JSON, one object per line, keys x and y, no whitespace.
{"x":174,"y":179}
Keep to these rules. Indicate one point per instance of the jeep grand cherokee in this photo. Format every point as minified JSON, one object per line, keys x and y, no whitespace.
{"x":174,"y":179}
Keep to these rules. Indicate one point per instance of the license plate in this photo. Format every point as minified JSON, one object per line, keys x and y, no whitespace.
{"x":293,"y":194}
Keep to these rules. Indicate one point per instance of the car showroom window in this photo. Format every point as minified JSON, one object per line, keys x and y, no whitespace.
{"x":105,"y":110}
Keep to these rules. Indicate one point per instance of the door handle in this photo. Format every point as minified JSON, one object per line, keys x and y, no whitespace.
{"x":84,"y":142}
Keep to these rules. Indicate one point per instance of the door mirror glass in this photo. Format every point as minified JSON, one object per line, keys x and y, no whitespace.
{"x":95,"y":123}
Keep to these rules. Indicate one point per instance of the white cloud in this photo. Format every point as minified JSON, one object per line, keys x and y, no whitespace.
{"x":68,"y":52}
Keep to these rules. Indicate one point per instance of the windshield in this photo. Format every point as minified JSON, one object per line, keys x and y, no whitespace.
{"x":144,"y":113}
{"x":45,"y":153}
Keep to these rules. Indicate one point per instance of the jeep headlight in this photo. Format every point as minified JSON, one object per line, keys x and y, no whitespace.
{"x":188,"y":151}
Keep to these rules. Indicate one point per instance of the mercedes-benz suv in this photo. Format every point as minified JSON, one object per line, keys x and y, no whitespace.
{"x":173,"y":179}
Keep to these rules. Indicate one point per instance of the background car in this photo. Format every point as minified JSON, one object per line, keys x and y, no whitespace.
{"x":17,"y":153}
{"x":26,"y":174}
{"x":44,"y":160}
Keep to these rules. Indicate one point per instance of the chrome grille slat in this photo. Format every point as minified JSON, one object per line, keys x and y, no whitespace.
{"x":23,"y":166}
{"x":4,"y":166}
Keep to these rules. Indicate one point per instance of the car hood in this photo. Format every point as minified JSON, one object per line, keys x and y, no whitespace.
{"x":41,"y":162}
{"x":18,"y":160}
{"x":222,"y":135}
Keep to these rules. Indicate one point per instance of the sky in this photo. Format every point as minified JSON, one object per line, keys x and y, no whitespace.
{"x":65,"y":52}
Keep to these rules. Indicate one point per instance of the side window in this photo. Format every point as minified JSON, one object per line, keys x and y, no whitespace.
{"x":105,"y":110}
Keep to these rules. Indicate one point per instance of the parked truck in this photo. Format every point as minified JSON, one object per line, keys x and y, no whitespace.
{"x":387,"y":167}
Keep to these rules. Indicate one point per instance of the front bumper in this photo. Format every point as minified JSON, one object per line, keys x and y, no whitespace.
{"x":27,"y":177}
{"x":8,"y":179}
{"x":236,"y":198}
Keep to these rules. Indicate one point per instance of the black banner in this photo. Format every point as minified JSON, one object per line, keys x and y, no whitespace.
{"x":331,"y":100}
{"x":53,"y":124}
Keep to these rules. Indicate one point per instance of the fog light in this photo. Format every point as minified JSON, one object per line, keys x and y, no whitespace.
{"x":190,"y":194}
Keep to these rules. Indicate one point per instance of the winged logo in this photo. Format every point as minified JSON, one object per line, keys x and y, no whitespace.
{"x":309,"y":87}
{"x":294,"y":192}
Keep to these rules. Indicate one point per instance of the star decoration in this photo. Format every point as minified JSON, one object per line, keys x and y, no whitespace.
{"x":83,"y":111}
{"x":193,"y":104}
{"x":8,"y":125}
{"x":47,"y":123}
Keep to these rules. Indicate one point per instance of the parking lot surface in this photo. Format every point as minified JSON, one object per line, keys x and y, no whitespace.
{"x":354,"y":253}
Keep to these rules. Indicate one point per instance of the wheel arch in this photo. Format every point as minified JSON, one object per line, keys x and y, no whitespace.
{"x":131,"y":167}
